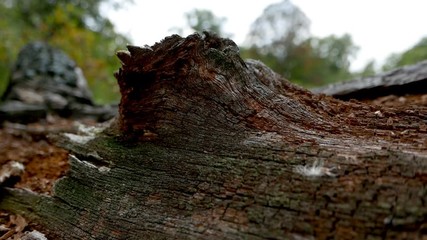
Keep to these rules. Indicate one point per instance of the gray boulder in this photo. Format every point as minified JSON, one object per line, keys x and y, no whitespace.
{"x":45,"y":80}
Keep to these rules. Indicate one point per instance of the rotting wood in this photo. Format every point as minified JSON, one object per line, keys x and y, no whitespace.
{"x":207,"y":146}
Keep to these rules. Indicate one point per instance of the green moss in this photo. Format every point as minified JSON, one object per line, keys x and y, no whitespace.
{"x":220,"y":60}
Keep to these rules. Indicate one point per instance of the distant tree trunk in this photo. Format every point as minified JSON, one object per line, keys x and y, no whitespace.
{"x":207,"y":146}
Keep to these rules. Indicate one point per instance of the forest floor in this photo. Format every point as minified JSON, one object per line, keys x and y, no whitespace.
{"x":44,"y":163}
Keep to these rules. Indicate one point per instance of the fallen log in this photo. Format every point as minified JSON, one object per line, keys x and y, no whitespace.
{"x":411,"y":79}
{"x":208,"y":146}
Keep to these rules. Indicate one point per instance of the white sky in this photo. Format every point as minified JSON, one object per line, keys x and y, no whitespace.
{"x":378,"y":27}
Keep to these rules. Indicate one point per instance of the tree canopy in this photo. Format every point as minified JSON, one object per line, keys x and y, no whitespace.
{"x":281,"y":38}
{"x":280,"y":27}
{"x":413,"y":55}
{"x":199,"y":20}
{"x":75,"y":26}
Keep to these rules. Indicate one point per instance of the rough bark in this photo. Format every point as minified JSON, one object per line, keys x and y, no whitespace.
{"x":207,"y":146}
{"x":411,"y":79}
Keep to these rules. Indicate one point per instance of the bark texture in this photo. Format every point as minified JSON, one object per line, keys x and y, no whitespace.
{"x":207,"y":146}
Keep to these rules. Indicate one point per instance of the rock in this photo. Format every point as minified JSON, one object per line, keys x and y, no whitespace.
{"x":45,"y":80}
{"x":42,"y":69}
{"x":16,"y":111}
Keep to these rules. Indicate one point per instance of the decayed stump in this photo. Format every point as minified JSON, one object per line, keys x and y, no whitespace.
{"x":208,"y":146}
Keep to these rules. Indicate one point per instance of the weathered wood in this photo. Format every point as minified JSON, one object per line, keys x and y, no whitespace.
{"x":411,"y":79}
{"x":207,"y":146}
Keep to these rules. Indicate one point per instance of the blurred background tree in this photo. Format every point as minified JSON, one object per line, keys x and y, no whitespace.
{"x":413,"y":55}
{"x":199,"y":20}
{"x":281,"y":38}
{"x":75,"y":26}
{"x":370,"y":69}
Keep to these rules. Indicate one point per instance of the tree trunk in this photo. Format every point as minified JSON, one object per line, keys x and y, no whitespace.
{"x":207,"y":146}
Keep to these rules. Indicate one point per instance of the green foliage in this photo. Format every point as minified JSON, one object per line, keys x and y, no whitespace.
{"x":368,"y":71}
{"x":333,"y":55}
{"x":74,"y":26}
{"x":391,"y":61}
{"x":290,"y":51}
{"x":415,"y":54}
{"x":200,"y":20}
{"x":281,"y":26}
{"x":314,"y":62}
